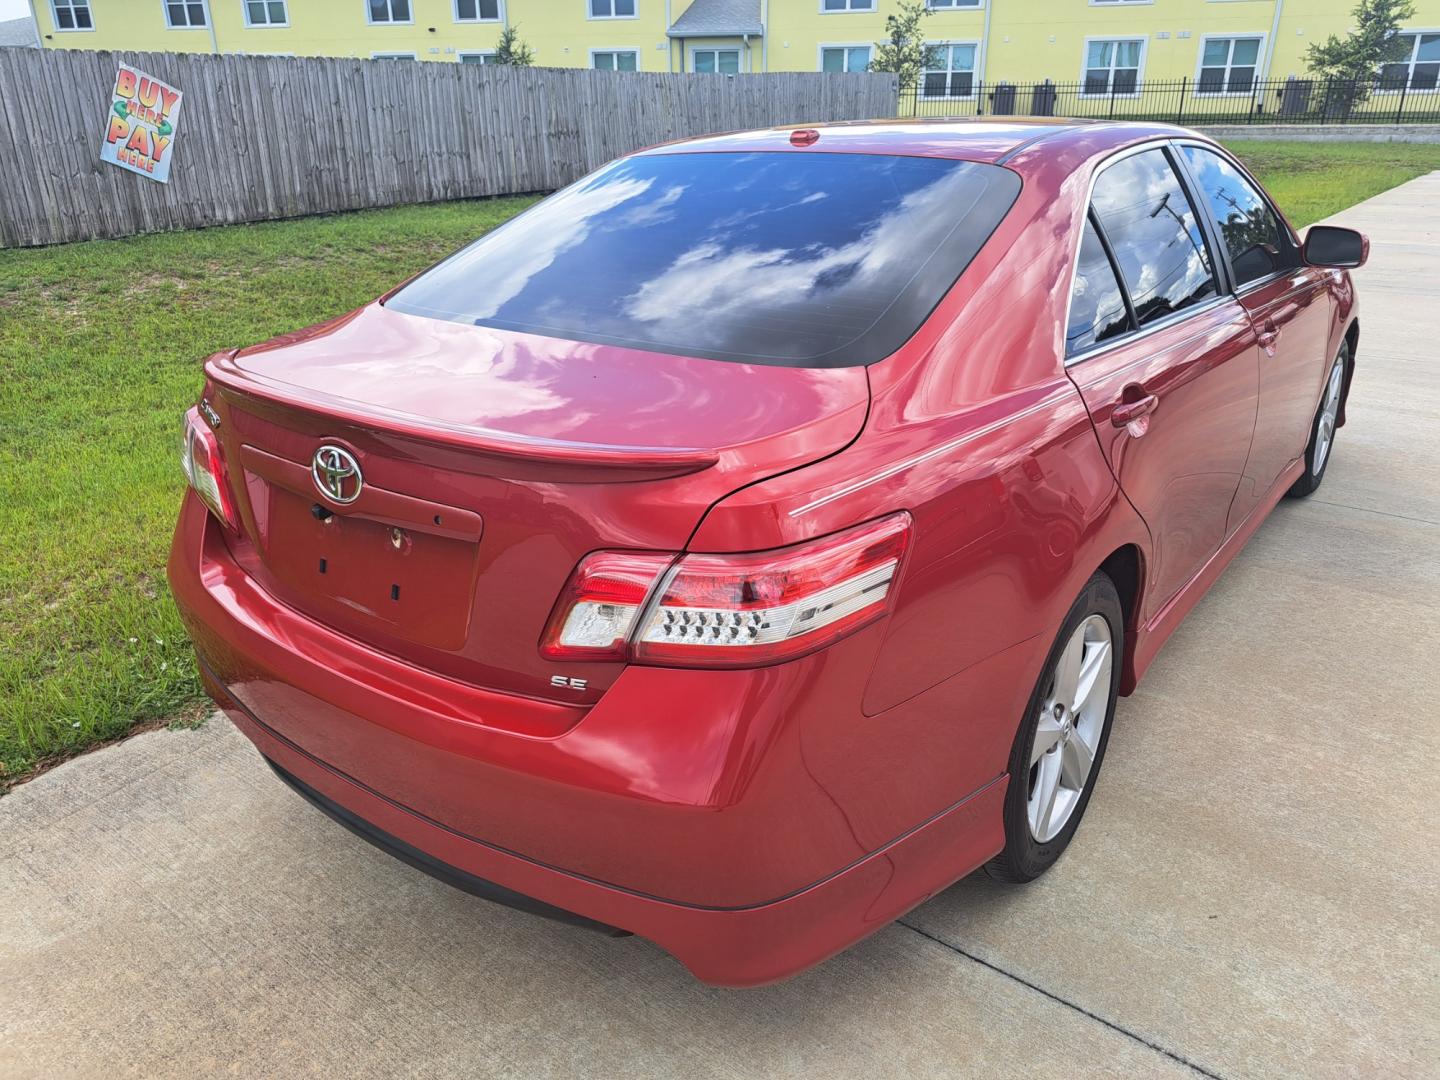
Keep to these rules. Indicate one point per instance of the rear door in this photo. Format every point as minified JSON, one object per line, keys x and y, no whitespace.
{"x":1289,"y":307}
{"x":1165,"y":359}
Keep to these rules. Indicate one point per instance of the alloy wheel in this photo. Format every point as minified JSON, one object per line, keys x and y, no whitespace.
{"x":1068,"y":729}
{"x":1329,"y":410}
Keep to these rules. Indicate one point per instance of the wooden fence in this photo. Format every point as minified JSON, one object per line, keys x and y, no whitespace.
{"x":271,"y":137}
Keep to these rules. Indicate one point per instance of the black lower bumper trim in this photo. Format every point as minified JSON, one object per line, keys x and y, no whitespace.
{"x":441,"y":871}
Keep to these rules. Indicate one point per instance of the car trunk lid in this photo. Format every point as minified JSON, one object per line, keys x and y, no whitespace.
{"x":492,"y":461}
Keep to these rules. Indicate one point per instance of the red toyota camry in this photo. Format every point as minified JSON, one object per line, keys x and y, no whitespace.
{"x":753,"y":538}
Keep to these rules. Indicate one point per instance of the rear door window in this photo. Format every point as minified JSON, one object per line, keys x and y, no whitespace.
{"x":1257,"y":244}
{"x":800,"y":259}
{"x":1155,"y":236}
{"x":1097,"y":305}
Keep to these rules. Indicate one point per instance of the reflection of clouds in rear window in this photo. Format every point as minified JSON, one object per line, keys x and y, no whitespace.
{"x":804,"y":259}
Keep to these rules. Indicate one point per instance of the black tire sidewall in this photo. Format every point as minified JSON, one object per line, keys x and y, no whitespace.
{"x":1025,"y":858}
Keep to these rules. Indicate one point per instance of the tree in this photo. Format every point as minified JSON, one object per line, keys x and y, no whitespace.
{"x":904,"y":52}
{"x":511,"y":50}
{"x":1355,"y":60}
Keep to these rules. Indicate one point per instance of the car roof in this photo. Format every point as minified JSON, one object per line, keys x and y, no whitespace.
{"x":992,"y":140}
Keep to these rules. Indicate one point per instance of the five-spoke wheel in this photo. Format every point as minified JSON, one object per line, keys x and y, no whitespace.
{"x":1067,"y":730}
{"x":1061,"y":741}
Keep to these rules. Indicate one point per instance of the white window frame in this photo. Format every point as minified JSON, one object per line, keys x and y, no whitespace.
{"x":1139,"y":70}
{"x":850,"y":9}
{"x":1200,"y":65}
{"x":204,"y":5}
{"x":590,"y":14}
{"x":955,"y":5}
{"x":974,"y":72}
{"x":717,"y":49}
{"x":455,"y":13}
{"x":397,"y":54}
{"x":460,"y":56}
{"x":868,"y":46}
{"x":389,"y":6}
{"x":614,"y":52}
{"x":1410,"y":63}
{"x":245,"y":9}
{"x":88,"y":5}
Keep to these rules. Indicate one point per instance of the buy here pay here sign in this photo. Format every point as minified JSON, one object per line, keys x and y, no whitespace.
{"x":140,"y":126}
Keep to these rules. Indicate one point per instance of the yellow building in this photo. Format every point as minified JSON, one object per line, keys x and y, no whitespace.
{"x":1103,"y":48}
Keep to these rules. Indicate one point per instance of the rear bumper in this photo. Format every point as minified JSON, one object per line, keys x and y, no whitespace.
{"x":685,"y":807}
{"x":428,"y":864}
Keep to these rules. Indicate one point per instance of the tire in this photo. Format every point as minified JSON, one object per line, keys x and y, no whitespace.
{"x":1035,"y":837}
{"x":1321,"y":447}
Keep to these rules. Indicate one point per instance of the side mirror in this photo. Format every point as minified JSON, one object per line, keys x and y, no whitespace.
{"x":1332,"y":246}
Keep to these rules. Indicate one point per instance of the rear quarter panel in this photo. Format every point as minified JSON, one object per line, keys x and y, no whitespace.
{"x":976,"y":431}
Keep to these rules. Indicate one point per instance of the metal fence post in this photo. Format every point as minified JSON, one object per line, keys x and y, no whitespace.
{"x":1180,"y":105}
{"x":1400,"y":109}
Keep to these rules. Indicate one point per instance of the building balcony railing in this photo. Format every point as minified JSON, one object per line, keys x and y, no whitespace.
{"x":1182,"y":101}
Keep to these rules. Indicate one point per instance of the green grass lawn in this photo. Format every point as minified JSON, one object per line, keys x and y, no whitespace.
{"x":1311,"y":181}
{"x":100,"y":349}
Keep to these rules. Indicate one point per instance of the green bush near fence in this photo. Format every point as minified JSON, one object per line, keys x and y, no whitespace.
{"x":99,"y":355}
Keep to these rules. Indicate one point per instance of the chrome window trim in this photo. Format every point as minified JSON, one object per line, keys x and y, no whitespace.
{"x":1221,"y":280}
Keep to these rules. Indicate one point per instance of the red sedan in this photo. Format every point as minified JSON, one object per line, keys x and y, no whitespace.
{"x":753,"y":538}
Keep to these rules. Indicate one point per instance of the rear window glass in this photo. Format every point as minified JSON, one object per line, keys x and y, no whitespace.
{"x":800,"y":259}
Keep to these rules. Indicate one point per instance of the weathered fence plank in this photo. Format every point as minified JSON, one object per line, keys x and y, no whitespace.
{"x":268,"y":137}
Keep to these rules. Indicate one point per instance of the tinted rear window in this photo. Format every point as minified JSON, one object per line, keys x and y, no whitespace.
{"x":800,"y":259}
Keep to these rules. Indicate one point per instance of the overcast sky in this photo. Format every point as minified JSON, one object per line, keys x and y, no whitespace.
{"x":13,"y":9}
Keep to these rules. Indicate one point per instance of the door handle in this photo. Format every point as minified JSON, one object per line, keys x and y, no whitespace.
{"x":1128,"y":412}
{"x":1268,"y":335}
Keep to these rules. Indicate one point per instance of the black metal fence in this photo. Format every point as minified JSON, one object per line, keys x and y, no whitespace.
{"x":1182,"y":101}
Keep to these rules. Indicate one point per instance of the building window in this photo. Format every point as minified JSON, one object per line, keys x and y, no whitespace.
{"x":715,"y":61}
{"x":1227,"y":65}
{"x":1420,"y":70}
{"x":835,"y":58}
{"x":612,"y":9}
{"x":184,"y":16}
{"x":388,"y":11}
{"x":266,"y":13}
{"x":847,"y":5}
{"x":951,"y":72}
{"x":72,"y":15}
{"x":392,"y":56}
{"x":614,"y":59}
{"x":946,"y":5}
{"x":1113,"y":66}
{"x":478,"y":58}
{"x":477,"y":10}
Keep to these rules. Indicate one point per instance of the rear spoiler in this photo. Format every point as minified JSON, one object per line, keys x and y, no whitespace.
{"x":475,"y":449}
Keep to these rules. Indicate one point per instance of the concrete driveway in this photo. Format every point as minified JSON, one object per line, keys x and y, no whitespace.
{"x":1253,"y":893}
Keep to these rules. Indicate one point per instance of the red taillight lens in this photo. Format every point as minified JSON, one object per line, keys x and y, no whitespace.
{"x":205,"y":468}
{"x":729,"y":610}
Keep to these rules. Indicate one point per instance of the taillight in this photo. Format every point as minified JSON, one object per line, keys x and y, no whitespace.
{"x":600,"y":605}
{"x":728,"y":610}
{"x":205,"y":468}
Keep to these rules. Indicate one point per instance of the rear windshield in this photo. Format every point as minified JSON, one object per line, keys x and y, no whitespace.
{"x":797,"y":259}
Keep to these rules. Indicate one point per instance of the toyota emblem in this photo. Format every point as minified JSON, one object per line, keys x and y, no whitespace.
{"x":337,"y":474}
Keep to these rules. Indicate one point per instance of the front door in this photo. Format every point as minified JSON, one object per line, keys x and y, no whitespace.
{"x":1289,"y":306}
{"x":1166,"y":364}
